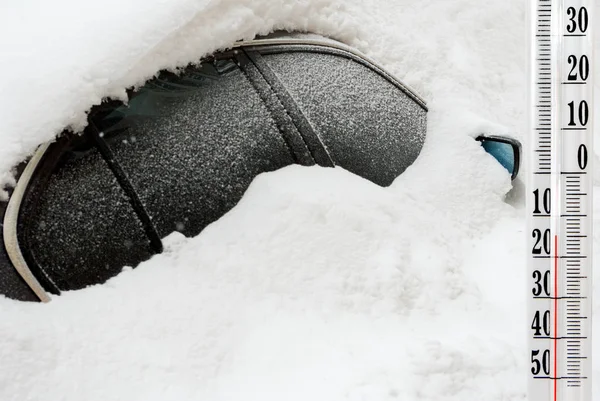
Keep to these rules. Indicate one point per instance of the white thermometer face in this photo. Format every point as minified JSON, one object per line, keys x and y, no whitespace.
{"x":559,"y":202}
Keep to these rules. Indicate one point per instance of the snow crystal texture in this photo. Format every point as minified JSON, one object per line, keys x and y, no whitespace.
{"x":318,"y":284}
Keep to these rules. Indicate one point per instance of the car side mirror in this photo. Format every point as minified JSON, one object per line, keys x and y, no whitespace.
{"x":507,"y":151}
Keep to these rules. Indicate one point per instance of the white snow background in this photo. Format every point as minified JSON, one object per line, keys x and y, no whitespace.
{"x":319,"y":285}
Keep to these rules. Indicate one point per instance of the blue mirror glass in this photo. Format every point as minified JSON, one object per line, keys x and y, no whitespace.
{"x":502,"y":151}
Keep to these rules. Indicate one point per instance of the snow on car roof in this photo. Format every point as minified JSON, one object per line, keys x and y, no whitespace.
{"x":60,"y":59}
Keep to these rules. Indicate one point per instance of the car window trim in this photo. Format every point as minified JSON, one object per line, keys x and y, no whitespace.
{"x":331,"y":47}
{"x":11,"y":218}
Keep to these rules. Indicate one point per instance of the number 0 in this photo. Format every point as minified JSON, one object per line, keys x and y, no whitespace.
{"x":582,"y":157}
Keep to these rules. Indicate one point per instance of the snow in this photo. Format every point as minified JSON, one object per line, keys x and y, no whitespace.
{"x":319,"y":284}
{"x":117,"y":45}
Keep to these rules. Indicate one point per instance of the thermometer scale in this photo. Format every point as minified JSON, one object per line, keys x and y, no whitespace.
{"x":559,"y":200}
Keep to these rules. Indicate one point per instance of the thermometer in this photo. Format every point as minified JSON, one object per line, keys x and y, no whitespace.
{"x":559,"y":200}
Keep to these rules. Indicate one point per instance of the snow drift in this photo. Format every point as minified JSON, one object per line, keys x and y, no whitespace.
{"x":318,"y":285}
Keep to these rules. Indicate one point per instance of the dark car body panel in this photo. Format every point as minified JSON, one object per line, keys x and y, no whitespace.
{"x":186,"y":147}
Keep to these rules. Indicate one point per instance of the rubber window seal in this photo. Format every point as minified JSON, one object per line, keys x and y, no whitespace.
{"x":274,"y":46}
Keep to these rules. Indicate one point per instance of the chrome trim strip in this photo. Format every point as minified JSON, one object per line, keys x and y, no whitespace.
{"x":326,"y":42}
{"x":11,"y":216}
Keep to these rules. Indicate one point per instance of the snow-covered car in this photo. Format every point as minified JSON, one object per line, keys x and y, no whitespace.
{"x":181,"y":153}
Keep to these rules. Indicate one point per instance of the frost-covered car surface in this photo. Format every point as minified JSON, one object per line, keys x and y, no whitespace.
{"x":185,"y":148}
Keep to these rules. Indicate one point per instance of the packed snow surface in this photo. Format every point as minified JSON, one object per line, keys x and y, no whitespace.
{"x":319,"y":285}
